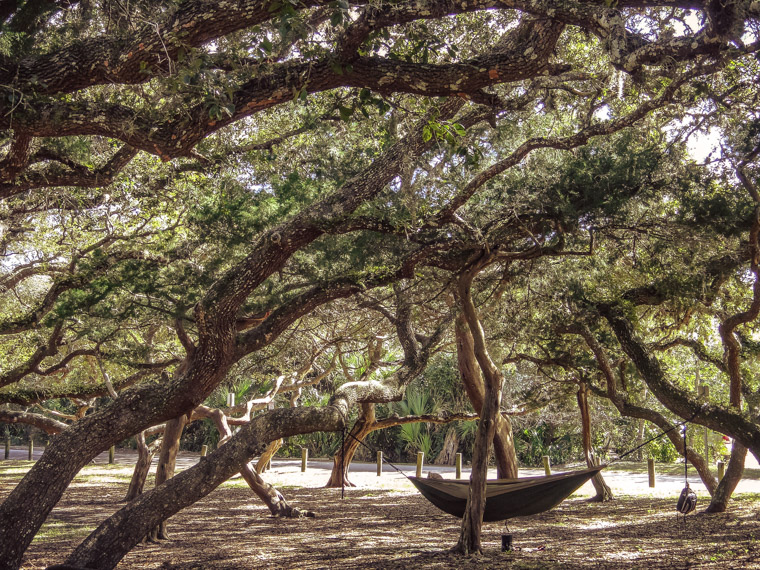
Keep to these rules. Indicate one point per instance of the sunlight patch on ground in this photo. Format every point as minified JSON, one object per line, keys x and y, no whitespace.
{"x":597,"y":525}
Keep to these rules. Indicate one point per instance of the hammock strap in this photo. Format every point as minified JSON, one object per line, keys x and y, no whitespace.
{"x":360,"y":442}
{"x":659,"y":435}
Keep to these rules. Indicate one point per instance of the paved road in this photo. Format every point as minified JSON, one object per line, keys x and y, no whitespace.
{"x":620,"y":481}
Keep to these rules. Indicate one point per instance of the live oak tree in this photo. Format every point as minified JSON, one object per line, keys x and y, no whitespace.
{"x":127,"y":107}
{"x":688,"y":301}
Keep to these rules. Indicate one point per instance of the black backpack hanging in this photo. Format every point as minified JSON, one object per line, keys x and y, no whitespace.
{"x":687,"y":502}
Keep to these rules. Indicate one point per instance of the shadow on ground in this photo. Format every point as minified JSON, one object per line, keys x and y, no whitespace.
{"x":399,"y":529}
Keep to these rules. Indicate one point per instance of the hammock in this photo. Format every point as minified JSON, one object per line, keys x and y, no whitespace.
{"x":505,"y":498}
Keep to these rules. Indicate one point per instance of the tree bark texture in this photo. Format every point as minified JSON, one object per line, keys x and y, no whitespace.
{"x":727,"y":485}
{"x":472,"y":521}
{"x":448,"y":453}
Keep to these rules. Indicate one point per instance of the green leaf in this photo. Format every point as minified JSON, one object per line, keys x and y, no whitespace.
{"x":345,"y":112}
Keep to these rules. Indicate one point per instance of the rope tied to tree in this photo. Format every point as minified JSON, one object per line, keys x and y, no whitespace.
{"x":360,"y":442}
{"x":659,"y":435}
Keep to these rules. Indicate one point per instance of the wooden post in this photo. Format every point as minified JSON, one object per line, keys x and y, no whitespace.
{"x":379,"y":463}
{"x":7,"y":447}
{"x":204,"y":450}
{"x":459,"y":465}
{"x":650,"y":468}
{"x":31,"y":448}
{"x":420,"y":460}
{"x":304,"y":458}
{"x":230,"y":399}
{"x":547,"y":465}
{"x":111,"y":452}
{"x":721,"y":470}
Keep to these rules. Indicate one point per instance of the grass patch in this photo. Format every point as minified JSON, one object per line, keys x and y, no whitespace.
{"x":59,"y":530}
{"x":235,"y":483}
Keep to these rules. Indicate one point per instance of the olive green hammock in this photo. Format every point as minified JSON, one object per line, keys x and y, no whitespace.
{"x":505,"y":498}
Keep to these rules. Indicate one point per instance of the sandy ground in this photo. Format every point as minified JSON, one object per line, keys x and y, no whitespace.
{"x":384,"y":523}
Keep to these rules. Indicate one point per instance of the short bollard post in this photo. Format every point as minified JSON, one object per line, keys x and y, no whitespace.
{"x":506,"y":542}
{"x":8,"y":447}
{"x":650,"y":468}
{"x":111,"y":453}
{"x":304,"y":458}
{"x":459,"y":465}
{"x":204,"y":450}
{"x":547,"y":465}
{"x":420,"y":459}
{"x":721,"y":470}
{"x":31,"y":448}
{"x":379,"y":463}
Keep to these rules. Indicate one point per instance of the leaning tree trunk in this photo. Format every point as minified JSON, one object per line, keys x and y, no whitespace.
{"x":730,"y":480}
{"x":167,"y":462}
{"x":263,"y":463}
{"x":342,"y":459}
{"x":118,"y":534}
{"x":271,"y":497}
{"x":504,"y":443}
{"x":603,"y":491}
{"x":145,"y":455}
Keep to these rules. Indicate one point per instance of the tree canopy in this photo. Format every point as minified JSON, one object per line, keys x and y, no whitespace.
{"x":194,"y":193}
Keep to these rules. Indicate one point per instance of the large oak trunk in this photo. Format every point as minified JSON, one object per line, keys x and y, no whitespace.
{"x":472,"y":521}
{"x":27,"y":506}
